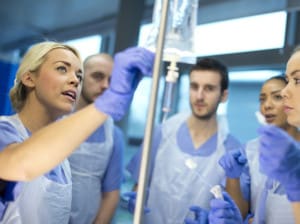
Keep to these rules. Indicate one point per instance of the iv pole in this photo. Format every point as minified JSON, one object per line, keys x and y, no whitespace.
{"x":143,"y":176}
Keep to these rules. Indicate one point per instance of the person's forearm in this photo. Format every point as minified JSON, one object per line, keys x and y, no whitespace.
{"x":234,"y":189}
{"x":108,"y":207}
{"x":49,"y":146}
{"x":296,"y":209}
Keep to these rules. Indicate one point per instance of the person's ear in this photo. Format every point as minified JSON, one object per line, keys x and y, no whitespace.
{"x":224,"y":96}
{"x":28,"y":79}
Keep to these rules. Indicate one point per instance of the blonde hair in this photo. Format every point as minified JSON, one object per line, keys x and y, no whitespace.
{"x":296,"y":49}
{"x":31,"y":62}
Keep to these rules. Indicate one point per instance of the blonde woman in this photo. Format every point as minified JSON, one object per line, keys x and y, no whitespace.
{"x":34,"y":140}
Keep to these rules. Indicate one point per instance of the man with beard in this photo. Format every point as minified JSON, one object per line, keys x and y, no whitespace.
{"x":186,"y":149}
{"x":97,"y":164}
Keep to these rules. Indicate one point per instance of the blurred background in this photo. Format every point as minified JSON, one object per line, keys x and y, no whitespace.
{"x":254,"y":38}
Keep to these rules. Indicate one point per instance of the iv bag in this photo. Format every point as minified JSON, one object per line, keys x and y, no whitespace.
{"x":179,"y":36}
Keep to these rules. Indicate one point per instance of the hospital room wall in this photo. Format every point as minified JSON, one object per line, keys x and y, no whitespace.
{"x":242,"y":104}
{"x":8,"y":69}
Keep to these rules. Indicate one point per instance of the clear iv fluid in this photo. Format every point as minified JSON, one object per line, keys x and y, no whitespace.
{"x":179,"y":36}
{"x":170,"y":85}
{"x":168,"y":98}
{"x":178,"y":41}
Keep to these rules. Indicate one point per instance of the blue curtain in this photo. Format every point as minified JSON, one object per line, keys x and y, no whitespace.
{"x":7,"y":71}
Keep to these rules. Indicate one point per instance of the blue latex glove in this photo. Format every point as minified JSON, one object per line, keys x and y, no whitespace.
{"x":201,"y":216}
{"x":279,"y":159}
{"x":3,"y":207}
{"x":249,"y":218}
{"x":129,"y":67}
{"x":233,"y":163}
{"x":132,"y":201}
{"x":224,"y":211}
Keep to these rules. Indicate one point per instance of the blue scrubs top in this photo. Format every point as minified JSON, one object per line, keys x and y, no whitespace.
{"x":11,"y":189}
{"x":113,"y":175}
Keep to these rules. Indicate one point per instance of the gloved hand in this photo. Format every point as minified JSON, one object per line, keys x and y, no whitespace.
{"x":279,"y":159}
{"x":201,"y":216}
{"x":3,"y":206}
{"x":249,"y":218}
{"x":224,"y":211}
{"x":129,"y":67}
{"x":132,"y":201}
{"x":233,"y":163}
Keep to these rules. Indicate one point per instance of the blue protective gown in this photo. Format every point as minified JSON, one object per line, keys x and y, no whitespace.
{"x":269,"y":203}
{"x":42,"y":200}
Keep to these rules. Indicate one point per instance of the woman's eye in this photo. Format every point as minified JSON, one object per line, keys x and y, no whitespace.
{"x":79,"y":77}
{"x":62,"y":68}
{"x":278,"y":97}
{"x":287,"y":80}
{"x":297,"y":81}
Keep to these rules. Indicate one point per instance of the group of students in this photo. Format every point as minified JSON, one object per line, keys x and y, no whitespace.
{"x":273,"y":159}
{"x":61,"y":137}
{"x":193,"y":152}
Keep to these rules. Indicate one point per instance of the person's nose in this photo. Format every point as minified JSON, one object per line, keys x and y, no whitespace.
{"x":268,"y":104}
{"x":285,"y":92}
{"x":105,"y":83}
{"x":74,"y":79}
{"x":200,"y":93}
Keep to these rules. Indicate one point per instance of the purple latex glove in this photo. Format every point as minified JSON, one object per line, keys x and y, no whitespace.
{"x":132,"y":201}
{"x":129,"y":68}
{"x":249,"y":218}
{"x":3,"y":207}
{"x":233,"y":163}
{"x":201,"y":216}
{"x":279,"y":159}
{"x":224,"y":211}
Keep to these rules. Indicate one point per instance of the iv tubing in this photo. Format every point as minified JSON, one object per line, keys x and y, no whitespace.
{"x":143,"y":176}
{"x":170,"y":84}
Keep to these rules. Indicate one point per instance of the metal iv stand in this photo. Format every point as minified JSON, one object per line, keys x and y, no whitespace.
{"x":143,"y":176}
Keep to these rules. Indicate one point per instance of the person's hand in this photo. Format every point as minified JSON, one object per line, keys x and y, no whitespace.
{"x":132,"y":201}
{"x":233,"y":163}
{"x":129,"y":68}
{"x":2,"y":209}
{"x":201,"y":216}
{"x":249,"y":218}
{"x":279,"y":158}
{"x":224,"y":211}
